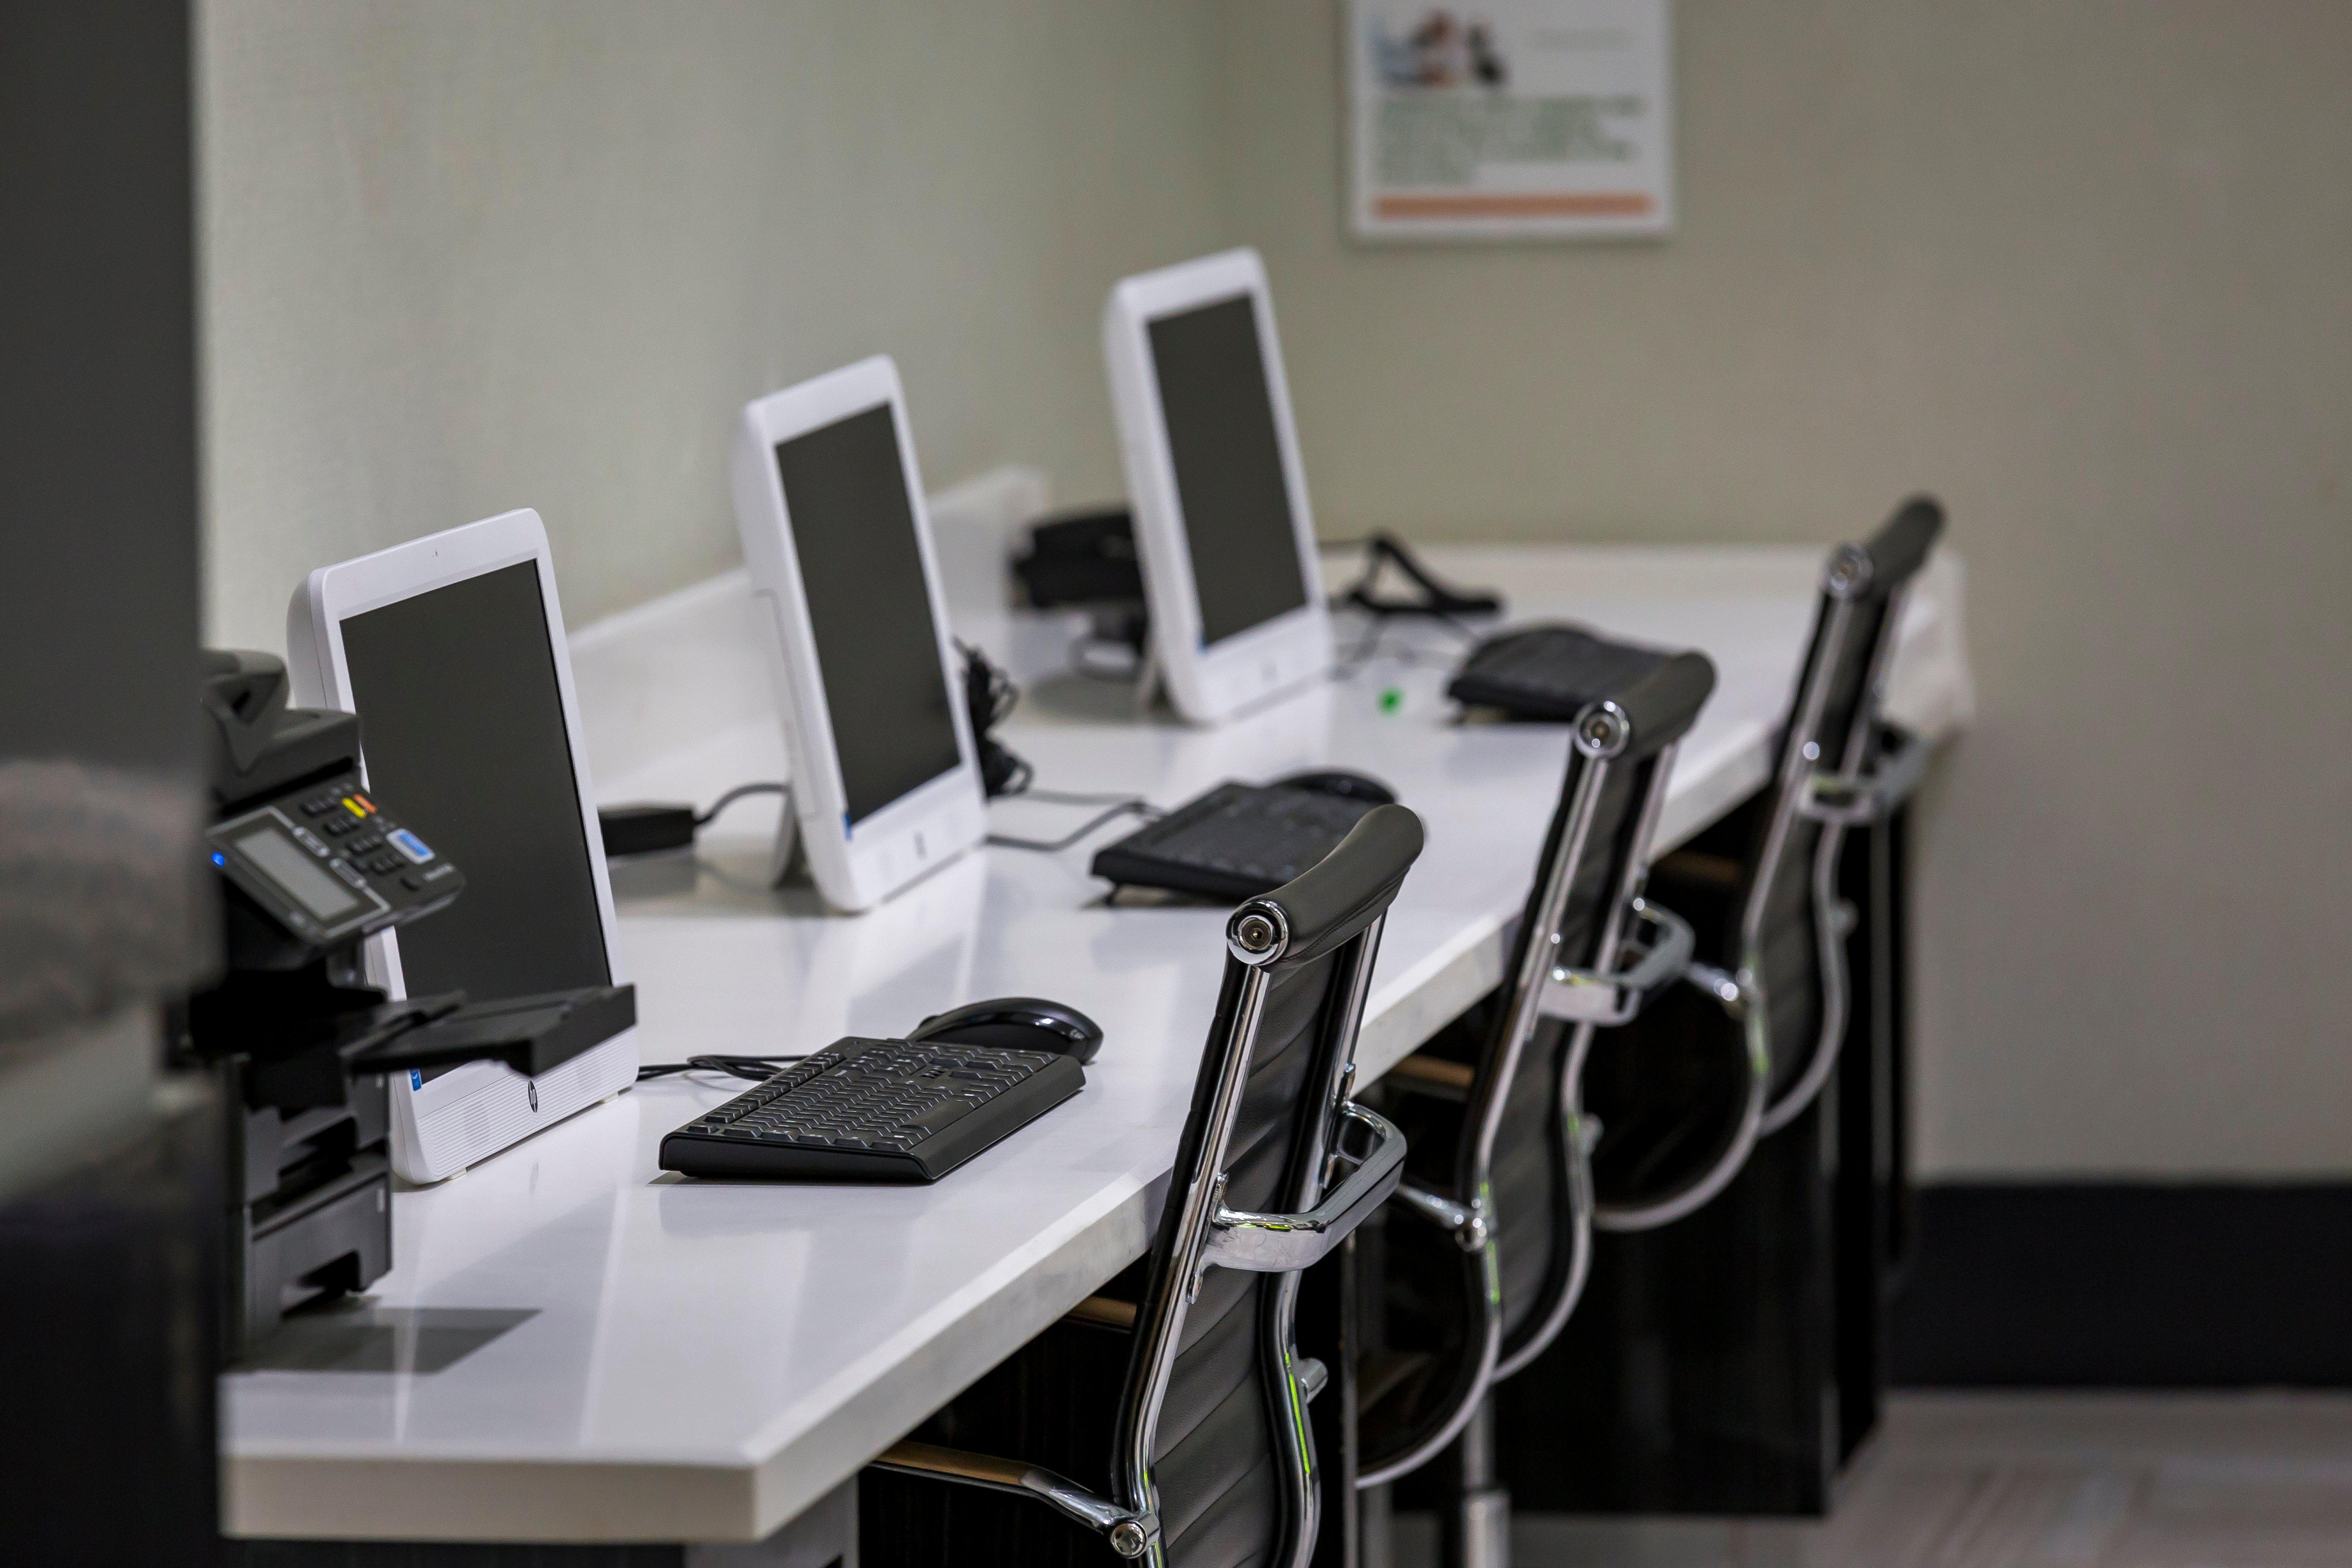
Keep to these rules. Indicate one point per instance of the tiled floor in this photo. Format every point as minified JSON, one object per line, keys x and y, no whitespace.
{"x":2033,"y":1481}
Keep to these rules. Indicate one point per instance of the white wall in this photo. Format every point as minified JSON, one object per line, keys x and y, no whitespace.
{"x":466,"y":256}
{"x":2084,"y":270}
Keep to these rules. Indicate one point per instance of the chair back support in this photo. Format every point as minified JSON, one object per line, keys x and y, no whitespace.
{"x":1213,"y":1443}
{"x":1520,"y":1241}
{"x":1544,"y":1212}
{"x":1790,"y":949}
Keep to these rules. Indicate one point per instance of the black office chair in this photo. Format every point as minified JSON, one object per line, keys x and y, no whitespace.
{"x":1491,"y":1112}
{"x":1210,"y":1463}
{"x":1771,"y":919}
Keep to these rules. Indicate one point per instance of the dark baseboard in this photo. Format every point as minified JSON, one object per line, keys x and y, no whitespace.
{"x":2128,"y":1285}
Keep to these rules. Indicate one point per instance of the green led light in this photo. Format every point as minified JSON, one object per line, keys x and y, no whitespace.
{"x":1391,"y":700}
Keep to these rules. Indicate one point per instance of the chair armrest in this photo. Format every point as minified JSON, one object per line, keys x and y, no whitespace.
{"x":1854,"y":798}
{"x":1131,"y":1534}
{"x":1585,"y":995}
{"x":1282,"y":1242}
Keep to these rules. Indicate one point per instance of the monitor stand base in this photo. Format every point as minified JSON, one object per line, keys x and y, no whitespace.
{"x":788,"y":862}
{"x":1151,"y":682}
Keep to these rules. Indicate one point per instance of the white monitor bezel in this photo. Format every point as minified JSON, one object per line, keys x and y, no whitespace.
{"x":931,"y":824}
{"x":1207,"y":684}
{"x":465,"y":1115}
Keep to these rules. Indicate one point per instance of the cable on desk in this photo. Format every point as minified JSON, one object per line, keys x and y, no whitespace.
{"x":1432,"y":595}
{"x":1114,"y":806}
{"x":739,"y":791}
{"x":1073,"y":797}
{"x":1052,"y":847}
{"x":759,"y":1069}
{"x":651,"y":828}
{"x":990,"y":697}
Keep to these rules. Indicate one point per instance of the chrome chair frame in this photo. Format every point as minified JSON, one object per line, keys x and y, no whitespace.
{"x":1808,"y":791}
{"x":1208,"y":1234}
{"x":1864,"y":788}
{"x":1542,"y":985}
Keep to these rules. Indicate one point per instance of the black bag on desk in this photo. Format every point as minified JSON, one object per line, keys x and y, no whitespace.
{"x":1548,"y":672}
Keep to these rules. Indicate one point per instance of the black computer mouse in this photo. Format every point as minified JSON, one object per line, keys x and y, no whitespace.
{"x":1016,"y":1024}
{"x":1343,"y":783}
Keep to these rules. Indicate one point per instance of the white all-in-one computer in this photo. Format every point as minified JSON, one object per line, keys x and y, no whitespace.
{"x":450,"y":649}
{"x":885,"y":786}
{"x":1218,"y":497}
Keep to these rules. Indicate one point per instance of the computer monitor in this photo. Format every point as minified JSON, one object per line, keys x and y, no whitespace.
{"x":1219,"y":496}
{"x":450,"y":649}
{"x":886,"y":785}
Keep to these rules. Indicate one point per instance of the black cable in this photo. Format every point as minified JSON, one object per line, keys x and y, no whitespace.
{"x":650,"y":828}
{"x":1435,"y":598}
{"x":1133,"y":807}
{"x":1117,"y":805}
{"x":1070,"y":797}
{"x":990,"y":696}
{"x":703,"y":819}
{"x":759,"y":1069}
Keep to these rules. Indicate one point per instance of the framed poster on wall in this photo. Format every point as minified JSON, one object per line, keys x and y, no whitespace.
{"x":1509,"y":119}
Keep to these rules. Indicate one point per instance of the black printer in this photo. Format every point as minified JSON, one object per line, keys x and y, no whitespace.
{"x":310,"y":865}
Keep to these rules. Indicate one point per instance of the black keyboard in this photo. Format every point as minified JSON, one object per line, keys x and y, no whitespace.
{"x":874,"y":1111}
{"x":1548,"y":672}
{"x":1235,"y":842}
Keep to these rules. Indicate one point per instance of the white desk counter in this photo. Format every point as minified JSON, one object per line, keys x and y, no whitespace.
{"x":701,"y":1360}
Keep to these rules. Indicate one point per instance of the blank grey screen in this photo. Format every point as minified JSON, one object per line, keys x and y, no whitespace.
{"x":1228,"y":460}
{"x":877,"y":648}
{"x":462,"y":725}
{"x":291,"y":868}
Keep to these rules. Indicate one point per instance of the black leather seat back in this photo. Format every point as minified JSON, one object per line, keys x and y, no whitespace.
{"x":1434,"y":1288}
{"x":1532,"y":1163}
{"x":1851,"y":640}
{"x":1228,"y":1457}
{"x":1222,"y":1481}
